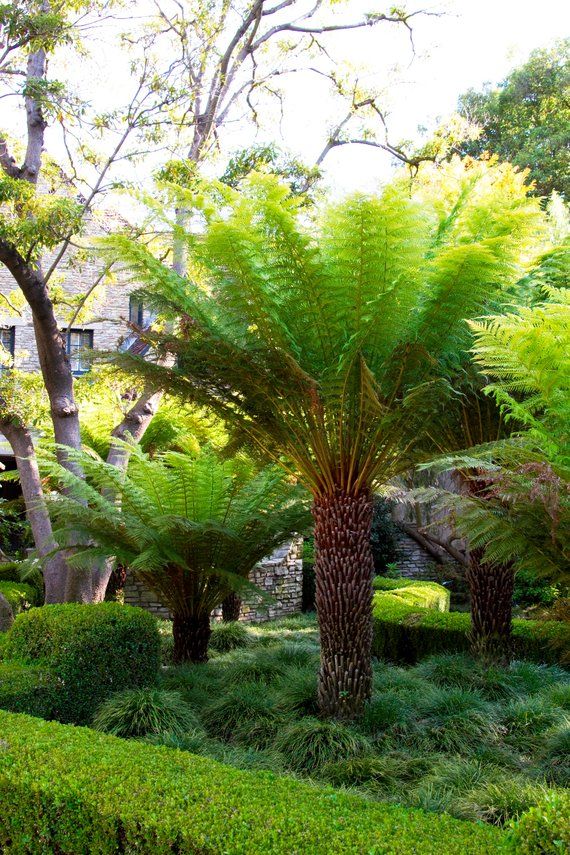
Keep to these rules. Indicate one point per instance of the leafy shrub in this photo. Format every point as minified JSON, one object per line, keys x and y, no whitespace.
{"x":308,"y":744}
{"x":9,"y":571}
{"x":296,"y":692}
{"x":238,"y":710}
{"x":383,"y":535}
{"x":65,"y":789}
{"x":27,"y":688}
{"x":139,"y":712}
{"x":427,"y":595}
{"x":228,"y":636}
{"x":545,"y":828}
{"x":533,"y":590}
{"x":89,"y":651}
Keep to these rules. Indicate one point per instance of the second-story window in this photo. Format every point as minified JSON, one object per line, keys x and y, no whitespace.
{"x":136,"y":311}
{"x":8,"y":342}
{"x":77,"y":343}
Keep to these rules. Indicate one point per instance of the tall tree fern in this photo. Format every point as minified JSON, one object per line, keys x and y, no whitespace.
{"x":190,"y":526}
{"x":310,"y":336}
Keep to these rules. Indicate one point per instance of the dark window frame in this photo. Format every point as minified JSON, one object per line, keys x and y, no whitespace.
{"x":74,"y":353}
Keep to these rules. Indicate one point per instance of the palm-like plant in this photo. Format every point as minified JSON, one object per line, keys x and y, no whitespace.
{"x":191,"y":526}
{"x":308,"y":337}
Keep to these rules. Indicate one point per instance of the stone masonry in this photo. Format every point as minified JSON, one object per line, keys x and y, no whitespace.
{"x":279,"y":577}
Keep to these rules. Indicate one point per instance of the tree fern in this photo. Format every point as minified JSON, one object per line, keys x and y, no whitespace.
{"x":191,"y":526}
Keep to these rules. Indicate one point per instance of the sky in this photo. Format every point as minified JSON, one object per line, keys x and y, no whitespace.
{"x":462,"y":44}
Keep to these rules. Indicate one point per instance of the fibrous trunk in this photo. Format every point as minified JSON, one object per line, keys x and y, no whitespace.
{"x":231,"y":607}
{"x":191,"y":636}
{"x":344,"y":569}
{"x":491,"y":589}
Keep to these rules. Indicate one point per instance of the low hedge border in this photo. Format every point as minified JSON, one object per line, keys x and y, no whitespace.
{"x":69,"y":658}
{"x":428,"y":595}
{"x":69,"y":790}
{"x":405,"y":633}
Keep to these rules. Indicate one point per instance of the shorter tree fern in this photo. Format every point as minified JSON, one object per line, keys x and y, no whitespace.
{"x":191,"y":526}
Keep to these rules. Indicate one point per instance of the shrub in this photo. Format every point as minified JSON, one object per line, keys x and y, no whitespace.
{"x":526,"y":721}
{"x":140,"y":712}
{"x":383,"y":535}
{"x":240,"y":709}
{"x":308,"y":744}
{"x":27,"y":688}
{"x":89,"y":651}
{"x":545,"y":828}
{"x":19,"y":595}
{"x":406,"y":633}
{"x":500,"y":800}
{"x":388,"y":773}
{"x":296,"y":692}
{"x":9,"y":571}
{"x":66,"y":789}
{"x":427,"y":595}
{"x":531,"y":590}
{"x":228,"y":636}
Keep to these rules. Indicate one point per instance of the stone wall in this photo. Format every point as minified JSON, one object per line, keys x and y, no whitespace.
{"x":280,"y":577}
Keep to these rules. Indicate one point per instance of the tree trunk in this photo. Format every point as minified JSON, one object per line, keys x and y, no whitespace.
{"x":491,"y":590}
{"x":191,"y":636}
{"x":54,"y":566}
{"x":344,"y":568}
{"x":231,"y":607}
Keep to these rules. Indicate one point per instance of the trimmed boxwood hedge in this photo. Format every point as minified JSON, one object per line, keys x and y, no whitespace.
{"x":405,"y":633}
{"x":79,"y":655}
{"x":544,"y":829}
{"x":428,"y":595}
{"x":70,"y":790}
{"x":19,"y":595}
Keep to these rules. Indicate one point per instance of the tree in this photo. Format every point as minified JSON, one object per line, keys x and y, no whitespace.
{"x":309,"y":337}
{"x":525,"y":120}
{"x":195,"y":67}
{"x":191,"y":526}
{"x":516,"y":514}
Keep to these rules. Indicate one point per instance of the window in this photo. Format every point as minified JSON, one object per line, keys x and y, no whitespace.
{"x":76,"y":343}
{"x":136,"y":311}
{"x":7,"y":340}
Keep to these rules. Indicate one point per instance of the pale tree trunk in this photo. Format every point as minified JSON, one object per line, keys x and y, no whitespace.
{"x":344,"y":568}
{"x":54,"y":565}
{"x":130,"y":430}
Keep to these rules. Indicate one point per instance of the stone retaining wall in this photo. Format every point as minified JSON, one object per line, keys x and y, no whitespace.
{"x":280,"y":577}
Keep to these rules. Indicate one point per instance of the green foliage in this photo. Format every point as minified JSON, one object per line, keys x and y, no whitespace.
{"x":140,"y":712}
{"x":406,"y":634}
{"x":428,"y":595}
{"x":309,"y":744}
{"x":309,"y":339}
{"x":383,"y":536}
{"x":500,"y":800}
{"x":69,"y":785}
{"x":268,"y":158}
{"x":525,"y":120}
{"x":19,"y":595}
{"x":526,"y":721}
{"x":89,"y":651}
{"x":545,"y":828}
{"x":531,"y":590}
{"x":228,"y":636}
{"x":296,"y":691}
{"x":26,"y":688}
{"x":386,"y":774}
{"x":244,"y":706}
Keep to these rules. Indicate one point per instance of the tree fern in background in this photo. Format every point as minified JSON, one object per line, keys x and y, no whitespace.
{"x":311,"y":337}
{"x":190,"y":526}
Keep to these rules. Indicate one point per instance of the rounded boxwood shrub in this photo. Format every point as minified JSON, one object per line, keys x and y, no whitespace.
{"x":140,"y":712}
{"x":91,"y":651}
{"x":308,"y":744}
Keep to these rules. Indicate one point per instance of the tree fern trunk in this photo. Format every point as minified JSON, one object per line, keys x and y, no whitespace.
{"x":491,"y":590}
{"x":344,"y":568}
{"x":231,"y":607}
{"x":191,"y":636}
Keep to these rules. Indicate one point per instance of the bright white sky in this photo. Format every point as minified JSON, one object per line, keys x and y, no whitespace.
{"x":472,"y":42}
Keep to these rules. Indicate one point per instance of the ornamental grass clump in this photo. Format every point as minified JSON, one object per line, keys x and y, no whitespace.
{"x":140,"y":712}
{"x":324,"y":341}
{"x":242,"y":708}
{"x":309,"y":744}
{"x":228,"y":636}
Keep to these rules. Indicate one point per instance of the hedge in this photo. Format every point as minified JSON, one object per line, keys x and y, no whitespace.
{"x":428,"y":595}
{"x":405,"y":633}
{"x":19,"y":595}
{"x":71,"y":790}
{"x":544,"y":829}
{"x":79,"y":654}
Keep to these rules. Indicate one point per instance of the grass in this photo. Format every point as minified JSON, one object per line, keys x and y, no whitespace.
{"x":445,"y":735}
